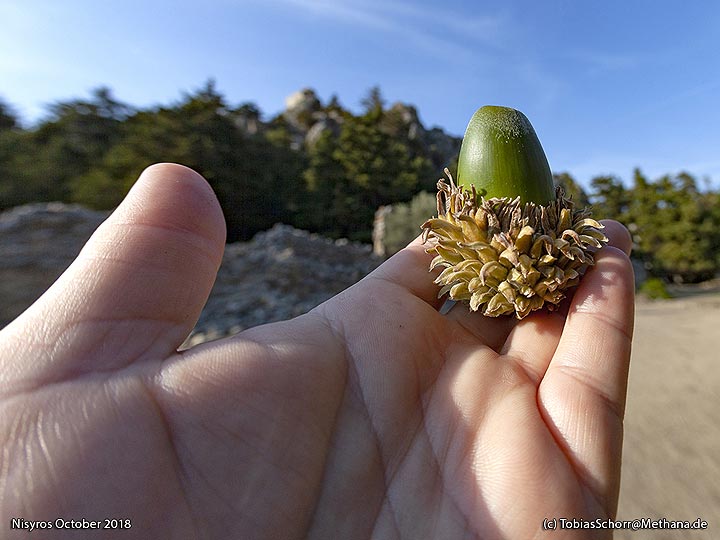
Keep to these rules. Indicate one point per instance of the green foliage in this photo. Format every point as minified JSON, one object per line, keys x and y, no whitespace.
{"x":572,"y":189}
{"x":40,"y":164}
{"x":373,"y":102}
{"x":609,"y":198}
{"x":8,"y":117}
{"x":10,"y":186}
{"x":675,"y":226}
{"x":92,"y":150}
{"x":654,"y":288}
{"x":351,"y":175}
{"x":248,"y":173}
{"x":403,"y":222}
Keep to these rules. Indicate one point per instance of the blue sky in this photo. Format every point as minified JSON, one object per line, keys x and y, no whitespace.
{"x":607,"y":85}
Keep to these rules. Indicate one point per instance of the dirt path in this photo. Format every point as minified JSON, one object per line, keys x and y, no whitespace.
{"x":671,"y":458}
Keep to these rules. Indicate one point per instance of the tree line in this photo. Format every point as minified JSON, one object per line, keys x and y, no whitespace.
{"x":90,"y":151}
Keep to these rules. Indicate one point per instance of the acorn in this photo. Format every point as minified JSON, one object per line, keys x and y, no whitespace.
{"x":508,"y":241}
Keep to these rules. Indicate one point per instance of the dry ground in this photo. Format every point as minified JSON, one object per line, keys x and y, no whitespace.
{"x":671,"y":458}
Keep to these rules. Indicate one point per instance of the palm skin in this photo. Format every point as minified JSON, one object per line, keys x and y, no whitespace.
{"x":373,"y":416}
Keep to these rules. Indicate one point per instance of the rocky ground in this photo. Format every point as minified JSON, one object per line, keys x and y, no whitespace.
{"x":37,"y":243}
{"x":671,"y":459}
{"x":280,"y":274}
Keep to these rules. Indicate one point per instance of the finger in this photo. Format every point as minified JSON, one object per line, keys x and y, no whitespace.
{"x":136,"y":289}
{"x":618,"y":235}
{"x":409,"y":269}
{"x":490,"y":331}
{"x":582,"y":395}
{"x":532,"y":342}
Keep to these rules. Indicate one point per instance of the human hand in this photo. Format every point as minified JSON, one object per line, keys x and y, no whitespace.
{"x":372,"y":416}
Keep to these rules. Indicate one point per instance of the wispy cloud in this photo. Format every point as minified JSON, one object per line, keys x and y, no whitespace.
{"x":486,"y":29}
{"x":344,"y":12}
{"x":483,"y":47}
{"x":600,"y":62}
{"x":547,"y":87}
{"x":450,"y":36}
{"x":692,"y":92}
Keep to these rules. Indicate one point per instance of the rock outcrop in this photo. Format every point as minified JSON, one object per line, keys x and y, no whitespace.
{"x":307,"y":119}
{"x":279,"y":274}
{"x":37,"y":243}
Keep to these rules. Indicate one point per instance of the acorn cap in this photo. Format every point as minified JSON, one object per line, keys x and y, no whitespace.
{"x":502,"y":157}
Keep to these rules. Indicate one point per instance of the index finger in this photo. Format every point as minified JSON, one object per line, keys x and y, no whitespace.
{"x":409,"y":269}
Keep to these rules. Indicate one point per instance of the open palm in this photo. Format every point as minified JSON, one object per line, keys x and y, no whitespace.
{"x":373,"y":416}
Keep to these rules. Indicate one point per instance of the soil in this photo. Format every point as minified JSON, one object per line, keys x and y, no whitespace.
{"x":671,"y":457}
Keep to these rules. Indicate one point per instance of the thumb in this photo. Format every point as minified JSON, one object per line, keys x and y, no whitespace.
{"x":134,"y":292}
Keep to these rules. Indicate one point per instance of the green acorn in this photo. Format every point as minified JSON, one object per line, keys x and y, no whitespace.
{"x":509,"y":242}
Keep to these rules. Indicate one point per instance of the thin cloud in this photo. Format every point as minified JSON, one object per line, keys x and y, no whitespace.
{"x":483,"y":47}
{"x":547,"y":88}
{"x":342,"y":12}
{"x":692,"y":92}
{"x":486,"y":28}
{"x":597,"y":62}
{"x":445,"y":35}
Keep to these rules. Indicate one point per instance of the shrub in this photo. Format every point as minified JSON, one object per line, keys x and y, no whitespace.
{"x":654,"y":288}
{"x":403,"y":222}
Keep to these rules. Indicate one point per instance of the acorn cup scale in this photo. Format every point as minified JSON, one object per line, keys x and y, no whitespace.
{"x":507,"y":240}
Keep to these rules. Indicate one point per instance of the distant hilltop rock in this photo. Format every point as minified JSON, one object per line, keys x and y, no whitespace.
{"x":307,"y":119}
{"x":279,"y":274}
{"x":409,"y":116}
{"x":301,"y":104}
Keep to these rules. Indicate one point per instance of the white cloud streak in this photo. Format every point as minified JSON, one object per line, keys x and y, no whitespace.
{"x":449,"y":36}
{"x":599,"y":62}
